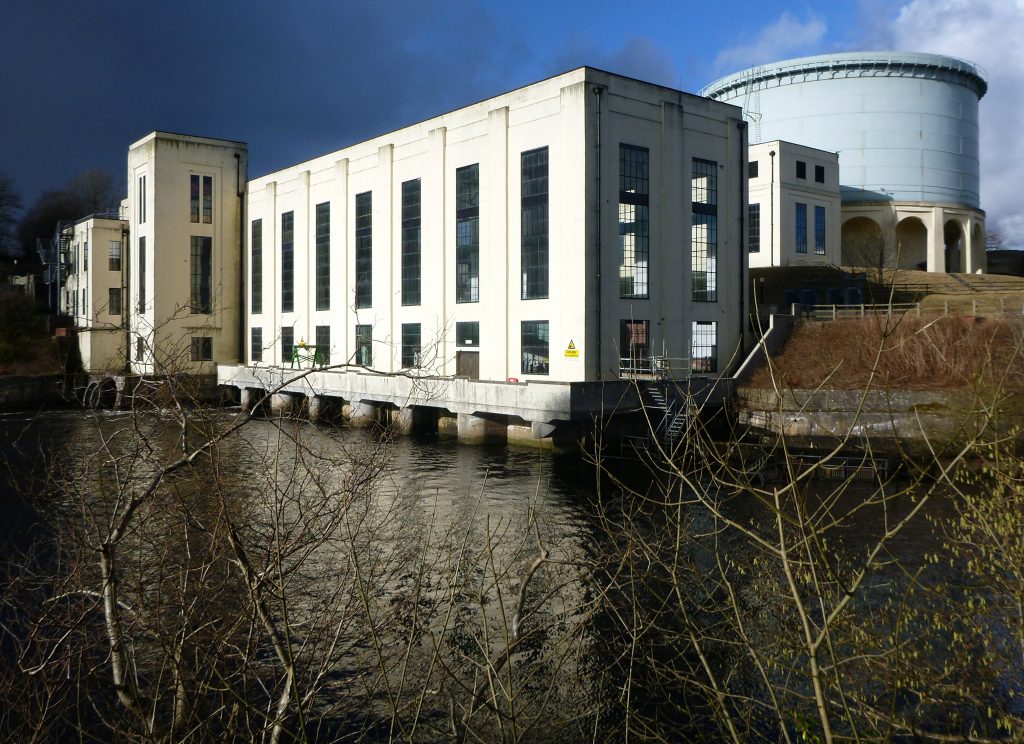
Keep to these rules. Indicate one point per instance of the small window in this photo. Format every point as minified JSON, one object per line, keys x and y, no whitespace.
{"x":801,"y":169}
{"x":202,"y":348}
{"x":534,"y":343}
{"x":752,"y":169}
{"x":114,"y":257}
{"x":754,"y":228}
{"x":704,"y":346}
{"x":193,"y":198}
{"x":142,"y":199}
{"x":256,"y":344}
{"x":819,"y":173}
{"x":139,"y":343}
{"x":114,"y":300}
{"x":364,"y":345}
{"x":287,"y":344}
{"x":208,"y":199}
{"x":85,"y":257}
{"x":467,"y":333}
{"x":410,"y":344}
{"x":323,"y":344}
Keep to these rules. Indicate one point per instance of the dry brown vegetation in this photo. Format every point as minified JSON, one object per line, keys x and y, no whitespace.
{"x":947,"y":353}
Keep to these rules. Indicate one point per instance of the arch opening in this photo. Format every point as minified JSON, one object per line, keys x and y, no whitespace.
{"x":863,"y":243}
{"x":912,"y":244}
{"x":953,"y":240}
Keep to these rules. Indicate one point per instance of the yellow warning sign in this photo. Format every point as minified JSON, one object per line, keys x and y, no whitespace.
{"x":571,"y":351}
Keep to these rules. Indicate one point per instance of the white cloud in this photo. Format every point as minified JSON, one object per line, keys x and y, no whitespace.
{"x":989,"y":33}
{"x":787,"y":37}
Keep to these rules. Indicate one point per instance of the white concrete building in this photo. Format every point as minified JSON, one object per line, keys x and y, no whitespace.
{"x":795,"y":210}
{"x":572,"y":230}
{"x":93,"y":292}
{"x":185,"y":200}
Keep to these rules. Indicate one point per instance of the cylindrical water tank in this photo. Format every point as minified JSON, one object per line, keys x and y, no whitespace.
{"x":905,"y":125}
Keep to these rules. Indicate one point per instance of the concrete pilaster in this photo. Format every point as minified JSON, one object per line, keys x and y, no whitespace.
{"x":936,"y":241}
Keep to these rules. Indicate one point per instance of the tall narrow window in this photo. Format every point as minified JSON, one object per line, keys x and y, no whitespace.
{"x":85,"y":257}
{"x":364,"y":345}
{"x":201,"y":275}
{"x":287,"y":344}
{"x":467,"y":234}
{"x":323,"y":256}
{"x":704,"y":346}
{"x":256,"y":344}
{"x":114,"y":256}
{"x":752,"y":169}
{"x":364,"y":249}
{"x":139,"y":348}
{"x":534,"y":198}
{"x":704,"y":231}
{"x":207,"y":199}
{"x":634,"y":221}
{"x":534,"y":342}
{"x":411,"y":242}
{"x":801,"y":169}
{"x":288,"y":262}
{"x":142,"y":274}
{"x":410,"y":344}
{"x":635,"y":345}
{"x":754,"y":228}
{"x":819,"y":174}
{"x":114,"y":300}
{"x":193,"y":198}
{"x":801,"y":228}
{"x":256,"y":267}
{"x":323,"y":344}
{"x":202,"y":348}
{"x":142,"y":200}
{"x":819,"y":230}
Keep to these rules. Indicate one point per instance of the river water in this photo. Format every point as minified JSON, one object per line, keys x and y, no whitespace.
{"x":402,"y":614}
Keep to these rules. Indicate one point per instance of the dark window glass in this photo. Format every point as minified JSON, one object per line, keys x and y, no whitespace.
{"x":114,"y":258}
{"x":634,"y":221}
{"x":256,"y":266}
{"x":801,"y":228}
{"x":139,"y":346}
{"x":323,"y":256}
{"x":142,"y":274}
{"x":323,"y":344}
{"x":114,"y":300}
{"x":85,"y":257}
{"x":207,"y":199}
{"x":256,"y":344}
{"x":202,"y":348}
{"x":801,"y":169}
{"x":287,"y":344}
{"x":364,"y":249}
{"x":819,"y":173}
{"x":819,"y":230}
{"x":467,"y":333}
{"x":201,"y":275}
{"x":411,"y":242}
{"x":364,"y":345}
{"x":410,"y":344}
{"x":704,"y":346}
{"x":754,"y":228}
{"x":288,"y":262}
{"x":534,"y":343}
{"x":534,"y":248}
{"x":142,"y":199}
{"x":752,"y":169}
{"x":704,"y":231}
{"x":635,"y":345}
{"x":193,"y":199}
{"x":467,"y":234}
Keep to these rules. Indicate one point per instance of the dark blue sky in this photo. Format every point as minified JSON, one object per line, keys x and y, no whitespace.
{"x":83,"y":80}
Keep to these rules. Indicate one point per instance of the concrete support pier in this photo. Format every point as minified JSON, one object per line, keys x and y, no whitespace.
{"x":479,"y":430}
{"x":284,"y":404}
{"x":249,"y":398}
{"x":318,"y":407}
{"x":361,"y":413}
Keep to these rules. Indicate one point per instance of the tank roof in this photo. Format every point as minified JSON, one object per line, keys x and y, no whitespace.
{"x":867,"y":64}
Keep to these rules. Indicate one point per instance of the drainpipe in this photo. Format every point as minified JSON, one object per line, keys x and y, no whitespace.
{"x":126,"y":299}
{"x":242,"y":314}
{"x":771,"y":197}
{"x":598,"y":90}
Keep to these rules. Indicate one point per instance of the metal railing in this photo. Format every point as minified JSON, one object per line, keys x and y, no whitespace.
{"x":1003,"y":305}
{"x":655,"y":367}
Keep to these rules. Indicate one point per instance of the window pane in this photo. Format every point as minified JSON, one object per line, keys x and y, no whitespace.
{"x":534,"y":344}
{"x":467,"y":333}
{"x":256,"y":344}
{"x":534,"y":240}
{"x":201,"y":275}
{"x":193,"y":199}
{"x":288,"y":262}
{"x":207,"y":199}
{"x":142,"y":274}
{"x":323,"y":256}
{"x":467,"y":234}
{"x":364,"y":250}
{"x":364,"y":345}
{"x":114,"y":301}
{"x":256,"y":266}
{"x":634,"y":222}
{"x":202,"y":348}
{"x":411,"y":242}
{"x":287,"y":345}
{"x":323,"y":344}
{"x":754,"y":228}
{"x":819,"y":230}
{"x":704,"y":346}
{"x":704,"y":231}
{"x":114,"y":259}
{"x":410,"y":344}
{"x":801,"y":228}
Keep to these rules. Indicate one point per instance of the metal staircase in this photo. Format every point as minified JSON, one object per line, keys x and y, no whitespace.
{"x":670,"y":412}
